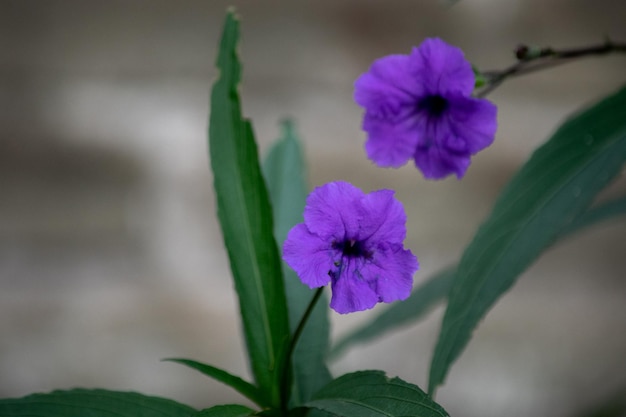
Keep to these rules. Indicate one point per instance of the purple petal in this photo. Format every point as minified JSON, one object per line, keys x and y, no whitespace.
{"x":351,"y":293}
{"x":389,"y":143}
{"x":447,"y":142}
{"x":385,"y":220}
{"x":388,"y":84}
{"x":475,"y":121}
{"x":442,"y":68}
{"x":308,"y":255}
{"x":393,"y":268}
{"x":436,"y":162}
{"x":330,"y":210}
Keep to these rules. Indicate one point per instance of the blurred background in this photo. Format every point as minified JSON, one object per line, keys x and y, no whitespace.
{"x":110,"y":252}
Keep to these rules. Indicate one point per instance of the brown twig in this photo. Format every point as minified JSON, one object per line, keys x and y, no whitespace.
{"x":534,"y":59}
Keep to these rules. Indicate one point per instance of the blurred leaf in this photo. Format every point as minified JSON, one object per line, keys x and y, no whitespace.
{"x":372,"y":394}
{"x":436,"y":289}
{"x":92,"y":403}
{"x":243,"y":387}
{"x":285,"y":172}
{"x":420,"y":302}
{"x":229,"y":410}
{"x":555,"y":186}
{"x":614,"y":406}
{"x":595,"y":215}
{"x":284,"y":169}
{"x":245,"y":215}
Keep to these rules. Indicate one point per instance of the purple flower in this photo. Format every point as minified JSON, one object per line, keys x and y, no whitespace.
{"x":420,"y":106}
{"x":354,"y":241}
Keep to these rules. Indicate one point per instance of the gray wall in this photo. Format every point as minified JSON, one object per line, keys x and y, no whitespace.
{"x":110,"y":254}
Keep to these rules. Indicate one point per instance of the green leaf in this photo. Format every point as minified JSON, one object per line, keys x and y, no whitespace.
{"x":92,"y":403}
{"x":596,"y":215}
{"x":553,"y":188}
{"x":243,"y":387}
{"x":284,"y":169}
{"x":436,"y":289}
{"x":613,"y":406}
{"x":420,"y":302}
{"x":245,"y":215}
{"x":229,"y":410}
{"x":372,"y":394}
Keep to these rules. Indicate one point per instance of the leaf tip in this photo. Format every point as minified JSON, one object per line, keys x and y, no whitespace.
{"x":231,"y":13}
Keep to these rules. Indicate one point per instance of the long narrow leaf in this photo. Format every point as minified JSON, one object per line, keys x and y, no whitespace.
{"x":421,"y":301}
{"x":245,"y":215}
{"x":612,"y":406}
{"x":596,"y":215}
{"x":372,"y":394}
{"x":243,"y":387}
{"x":228,"y":410}
{"x":284,"y":169}
{"x":436,"y":289}
{"x":557,"y":185}
{"x":93,"y":403}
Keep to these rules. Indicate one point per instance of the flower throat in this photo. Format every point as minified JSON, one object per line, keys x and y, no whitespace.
{"x":435,"y":105}
{"x":351,"y":249}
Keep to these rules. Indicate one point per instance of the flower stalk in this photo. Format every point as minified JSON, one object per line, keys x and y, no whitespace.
{"x":285,"y":380}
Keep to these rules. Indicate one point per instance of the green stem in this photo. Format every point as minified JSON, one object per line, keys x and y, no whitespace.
{"x":285,"y":385}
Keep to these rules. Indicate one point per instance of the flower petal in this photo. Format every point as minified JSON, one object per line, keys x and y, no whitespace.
{"x":308,"y":255}
{"x":442,"y":68}
{"x":389,"y":143}
{"x":388,"y":84}
{"x":368,"y":263}
{"x":350,"y":292}
{"x":392,"y":271}
{"x":437,"y":162}
{"x":474,"y":120}
{"x":330,"y":210}
{"x":388,"y":92}
{"x":385,"y":219}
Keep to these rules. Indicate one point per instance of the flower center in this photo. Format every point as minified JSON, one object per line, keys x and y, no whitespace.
{"x":435,"y":105}
{"x":351,"y":249}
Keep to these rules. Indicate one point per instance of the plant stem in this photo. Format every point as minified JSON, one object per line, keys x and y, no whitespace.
{"x":535,"y":59}
{"x":285,"y":385}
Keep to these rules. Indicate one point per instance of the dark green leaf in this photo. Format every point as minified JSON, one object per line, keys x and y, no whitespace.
{"x":93,"y":403}
{"x":284,"y":169}
{"x":595,"y":215}
{"x":243,"y":387}
{"x":420,"y":302}
{"x":245,"y":215}
{"x":230,"y":410}
{"x":555,"y":186}
{"x":434,"y":290}
{"x":372,"y":394}
{"x":613,"y":406}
